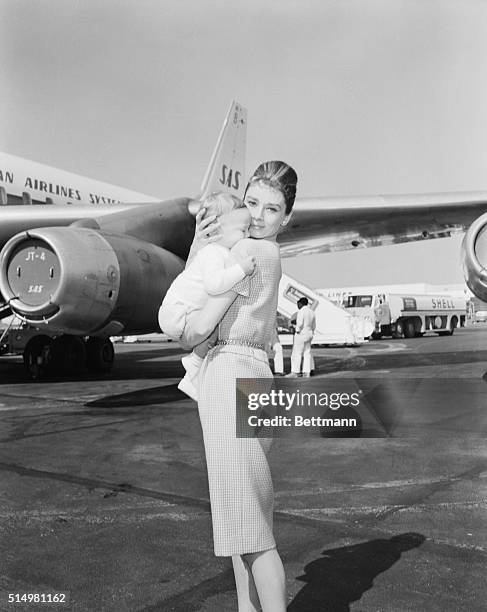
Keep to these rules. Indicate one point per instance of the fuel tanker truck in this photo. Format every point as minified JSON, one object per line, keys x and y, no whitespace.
{"x":409,"y":316}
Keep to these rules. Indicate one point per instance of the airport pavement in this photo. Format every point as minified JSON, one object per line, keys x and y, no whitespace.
{"x":104,"y":494}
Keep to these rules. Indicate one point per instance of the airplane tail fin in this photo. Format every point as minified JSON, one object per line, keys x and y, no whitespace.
{"x":226,"y":171}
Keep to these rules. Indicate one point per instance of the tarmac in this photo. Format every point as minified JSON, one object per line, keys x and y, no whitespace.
{"x":104,"y":493}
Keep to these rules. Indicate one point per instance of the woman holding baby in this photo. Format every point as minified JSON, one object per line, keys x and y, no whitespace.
{"x":240,"y":485}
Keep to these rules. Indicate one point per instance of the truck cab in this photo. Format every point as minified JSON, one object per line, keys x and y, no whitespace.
{"x":372,"y":307}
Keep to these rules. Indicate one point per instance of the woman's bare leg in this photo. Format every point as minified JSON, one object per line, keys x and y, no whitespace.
{"x":269,"y":578}
{"x":248,"y":600}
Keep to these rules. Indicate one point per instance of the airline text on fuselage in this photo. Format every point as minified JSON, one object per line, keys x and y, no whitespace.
{"x":52,"y":188}
{"x":6,"y":177}
{"x":70,"y":193}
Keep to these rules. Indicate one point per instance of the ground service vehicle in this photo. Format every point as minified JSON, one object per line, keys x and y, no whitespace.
{"x":409,"y":315}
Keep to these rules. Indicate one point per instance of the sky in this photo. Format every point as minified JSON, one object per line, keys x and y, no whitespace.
{"x":362,"y":97}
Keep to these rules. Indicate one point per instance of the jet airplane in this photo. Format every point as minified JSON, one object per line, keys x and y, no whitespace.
{"x":92,"y":260}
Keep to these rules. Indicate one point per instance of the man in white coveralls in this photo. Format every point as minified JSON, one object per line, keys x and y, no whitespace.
{"x":305,"y":327}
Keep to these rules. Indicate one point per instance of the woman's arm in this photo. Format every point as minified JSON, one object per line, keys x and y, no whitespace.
{"x":199,"y":326}
{"x":201,"y":323}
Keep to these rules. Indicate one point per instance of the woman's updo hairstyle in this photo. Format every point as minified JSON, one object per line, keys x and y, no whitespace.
{"x":280,"y":176}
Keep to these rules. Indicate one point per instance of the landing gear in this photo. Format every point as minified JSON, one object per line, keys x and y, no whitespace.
{"x":69,"y":355}
{"x":99,"y":354}
{"x":66,"y":356}
{"x":38,"y":357}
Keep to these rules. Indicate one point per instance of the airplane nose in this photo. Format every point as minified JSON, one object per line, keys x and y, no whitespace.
{"x":33,"y":273}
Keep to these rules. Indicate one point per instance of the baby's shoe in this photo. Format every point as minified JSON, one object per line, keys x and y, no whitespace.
{"x":186,"y":385}
{"x":192,"y":364}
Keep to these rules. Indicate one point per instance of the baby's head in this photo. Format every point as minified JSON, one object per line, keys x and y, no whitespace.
{"x":232,"y":214}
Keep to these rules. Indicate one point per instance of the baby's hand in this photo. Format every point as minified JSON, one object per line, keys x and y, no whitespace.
{"x":247,"y":264}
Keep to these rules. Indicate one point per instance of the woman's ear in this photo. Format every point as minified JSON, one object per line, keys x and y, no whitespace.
{"x":286,"y":219}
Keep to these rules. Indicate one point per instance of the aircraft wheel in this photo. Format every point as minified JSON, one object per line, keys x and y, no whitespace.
{"x":69,"y":355}
{"x":38,"y":357}
{"x":409,"y":329}
{"x":99,"y":354}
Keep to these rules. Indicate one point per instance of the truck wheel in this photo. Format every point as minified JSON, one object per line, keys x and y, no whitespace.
{"x":99,"y":354}
{"x":38,"y":357}
{"x":409,"y":329}
{"x":453,"y":325}
{"x":69,"y":355}
{"x":399,"y":333}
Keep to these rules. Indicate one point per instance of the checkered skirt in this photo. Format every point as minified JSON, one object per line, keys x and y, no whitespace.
{"x":241,"y":492}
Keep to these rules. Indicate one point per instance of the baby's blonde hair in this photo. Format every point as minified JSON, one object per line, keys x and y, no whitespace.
{"x":220,"y":203}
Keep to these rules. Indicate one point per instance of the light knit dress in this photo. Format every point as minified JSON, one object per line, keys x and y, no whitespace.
{"x":239,"y":478}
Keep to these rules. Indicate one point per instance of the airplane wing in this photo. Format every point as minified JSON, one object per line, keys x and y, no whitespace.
{"x":15,"y":218}
{"x":166,"y":224}
{"x":321,"y":225}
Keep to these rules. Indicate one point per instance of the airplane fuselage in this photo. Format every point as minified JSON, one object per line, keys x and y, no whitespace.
{"x":27,"y":182}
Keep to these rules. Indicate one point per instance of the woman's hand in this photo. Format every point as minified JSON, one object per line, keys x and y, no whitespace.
{"x":207,"y":230}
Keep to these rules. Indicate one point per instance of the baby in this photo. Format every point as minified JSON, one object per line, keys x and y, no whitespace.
{"x":212,"y":271}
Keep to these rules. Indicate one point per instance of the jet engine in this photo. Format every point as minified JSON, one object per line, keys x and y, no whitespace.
{"x":86,"y":282}
{"x":474,"y":257}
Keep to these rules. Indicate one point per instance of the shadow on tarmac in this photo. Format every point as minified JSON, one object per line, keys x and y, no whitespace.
{"x":144,"y":397}
{"x":393,"y":361}
{"x":344,"y":574}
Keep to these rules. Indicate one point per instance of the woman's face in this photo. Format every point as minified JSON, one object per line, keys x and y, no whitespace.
{"x":267,"y":210}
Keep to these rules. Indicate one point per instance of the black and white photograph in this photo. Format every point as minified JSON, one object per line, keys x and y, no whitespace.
{"x":243,"y":305}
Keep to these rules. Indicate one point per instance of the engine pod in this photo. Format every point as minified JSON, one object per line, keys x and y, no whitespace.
{"x":52,"y":269}
{"x":86,"y":282}
{"x":474,"y":257}
{"x":33,"y":273}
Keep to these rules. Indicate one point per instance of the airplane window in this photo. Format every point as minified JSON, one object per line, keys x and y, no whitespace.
{"x":26,"y":198}
{"x":13,"y":199}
